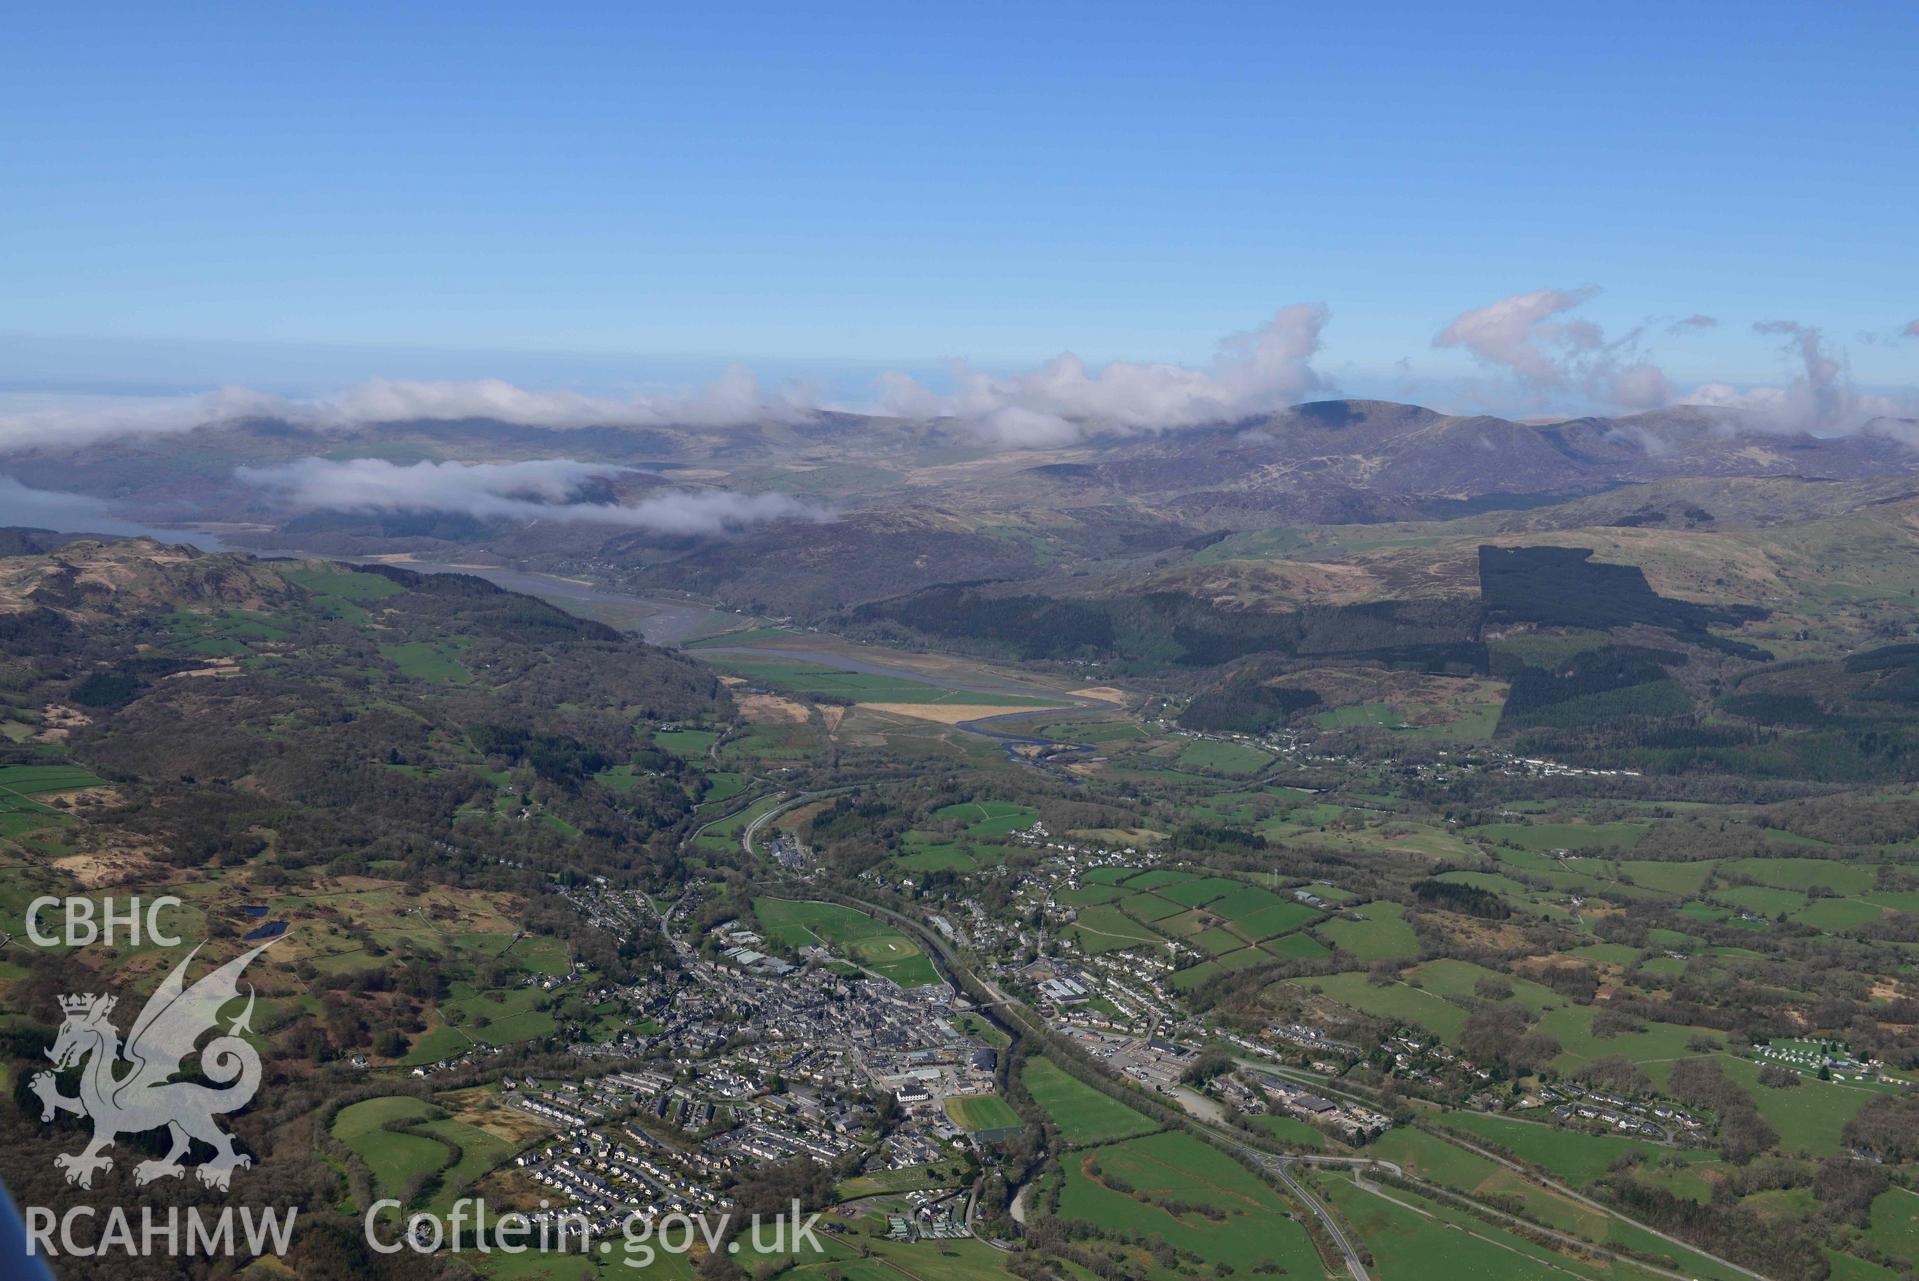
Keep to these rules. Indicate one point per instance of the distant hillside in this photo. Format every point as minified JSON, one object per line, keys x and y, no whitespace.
{"x":1351,"y":460}
{"x":925,"y":504}
{"x":302,"y":678}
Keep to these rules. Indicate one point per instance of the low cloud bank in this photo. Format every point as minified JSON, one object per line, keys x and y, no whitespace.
{"x":1060,"y":402}
{"x":1546,"y":355}
{"x":1057,"y":402}
{"x":557,"y":489}
{"x":734,"y":398}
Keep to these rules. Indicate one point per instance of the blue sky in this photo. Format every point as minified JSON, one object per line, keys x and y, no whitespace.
{"x":609,"y":195}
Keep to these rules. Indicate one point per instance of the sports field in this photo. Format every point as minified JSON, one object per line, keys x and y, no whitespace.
{"x":845,"y":932}
{"x":981,"y":1112}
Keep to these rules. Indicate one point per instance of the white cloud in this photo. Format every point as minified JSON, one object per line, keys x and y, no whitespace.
{"x":1555,"y":358}
{"x":734,"y":398}
{"x":82,"y":420}
{"x":1689,"y":324}
{"x":1061,"y":401}
{"x":554,"y":489}
{"x":1550,"y":352}
{"x":1820,"y":398}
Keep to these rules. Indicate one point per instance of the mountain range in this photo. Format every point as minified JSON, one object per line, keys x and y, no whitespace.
{"x":894,"y":506}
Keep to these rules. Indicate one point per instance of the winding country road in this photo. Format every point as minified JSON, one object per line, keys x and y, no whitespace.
{"x":786,"y":805}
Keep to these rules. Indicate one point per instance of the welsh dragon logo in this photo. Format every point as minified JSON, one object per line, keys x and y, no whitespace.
{"x":129,"y":1089}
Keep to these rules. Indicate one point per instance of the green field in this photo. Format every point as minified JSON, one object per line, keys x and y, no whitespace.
{"x":394,"y":1158}
{"x":1432,"y":1158}
{"x":1429,"y":1157}
{"x":1291,"y":1131}
{"x":1415,"y":1236}
{"x":1435,"y":996}
{"x":480,"y":1152}
{"x":965,"y":1260}
{"x":1764,"y":900}
{"x":1295,"y":947}
{"x":1199,"y":891}
{"x":1174,"y":1188}
{"x":1457,"y":980}
{"x":1083,"y":1114}
{"x":341,"y":592}
{"x":1271,"y":922}
{"x":1572,"y":1156}
{"x":1244,"y":900}
{"x":1670,"y":878}
{"x":845,"y":932}
{"x":37,"y":780}
{"x":1803,"y":873}
{"x":1396,"y":1001}
{"x":722,"y":786}
{"x":687,"y":743}
{"x":500,"y":1018}
{"x":1193,"y":975}
{"x":1217,"y":942}
{"x":1809,"y":1118}
{"x":981,"y":1112}
{"x":817,"y":679}
{"x":1894,"y":1226}
{"x":909,"y":1178}
{"x":437,"y":661}
{"x":928,"y":854}
{"x":1222,"y":917}
{"x":1104,"y":928}
{"x":1224,"y":758}
{"x":1150,"y":907}
{"x":1570,"y":836}
{"x":1656,"y":1045}
{"x":25,"y":791}
{"x":1380,"y":934}
{"x":1839,"y":915}
{"x":1088,"y":895}
{"x":985,"y":819}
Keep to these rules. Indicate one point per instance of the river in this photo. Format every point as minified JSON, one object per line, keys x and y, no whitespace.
{"x":666,"y":620}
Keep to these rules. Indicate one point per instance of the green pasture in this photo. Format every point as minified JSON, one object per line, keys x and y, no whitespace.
{"x":1380,"y":933}
{"x":1083,"y":1114}
{"x":1190,"y":1195}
